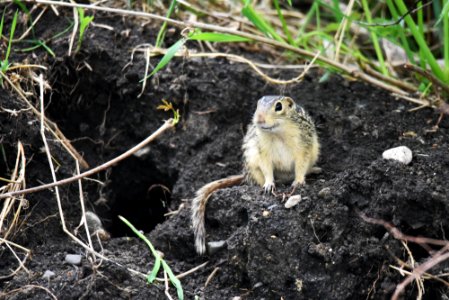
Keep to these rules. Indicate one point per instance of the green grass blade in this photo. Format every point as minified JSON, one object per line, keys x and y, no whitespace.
{"x":216,"y":37}
{"x":167,"y":57}
{"x":258,"y":21}
{"x":38,"y":44}
{"x":334,"y":9}
{"x":63,"y":32}
{"x":139,"y":234}
{"x":445,"y":17}
{"x":375,"y":40}
{"x":420,"y":19}
{"x":402,"y":37}
{"x":402,"y":8}
{"x":84,"y":23}
{"x":314,"y":9}
{"x":284,"y":24}
{"x":1,"y":24}
{"x":173,"y":279}
{"x":11,"y":34}
{"x":48,"y":49}
{"x":161,"y":33}
{"x":156,"y":267}
{"x":22,"y":7}
{"x":444,"y":13}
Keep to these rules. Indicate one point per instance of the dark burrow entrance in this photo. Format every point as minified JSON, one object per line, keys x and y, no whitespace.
{"x":140,"y":193}
{"x":100,"y":121}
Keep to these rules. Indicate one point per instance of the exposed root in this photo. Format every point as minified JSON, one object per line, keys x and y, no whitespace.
{"x":418,"y":271}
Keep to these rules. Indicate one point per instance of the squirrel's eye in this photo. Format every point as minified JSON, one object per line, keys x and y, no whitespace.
{"x":278,"y":106}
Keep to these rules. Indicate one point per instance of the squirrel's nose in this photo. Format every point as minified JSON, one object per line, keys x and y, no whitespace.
{"x":260,"y":119}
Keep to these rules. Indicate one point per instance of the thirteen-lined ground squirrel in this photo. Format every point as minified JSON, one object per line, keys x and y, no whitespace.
{"x":281,"y":144}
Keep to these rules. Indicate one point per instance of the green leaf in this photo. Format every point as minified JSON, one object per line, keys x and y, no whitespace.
{"x":37,"y":44}
{"x":173,"y":279}
{"x":216,"y":37}
{"x":4,"y":65}
{"x":11,"y":34}
{"x":444,"y":13}
{"x":1,"y":23}
{"x":283,"y":22}
{"x":156,"y":267}
{"x":161,"y":33}
{"x":421,"y":41}
{"x":22,"y":7}
{"x":289,"y":2}
{"x":84,"y":23}
{"x":167,"y":57}
{"x":258,"y":21}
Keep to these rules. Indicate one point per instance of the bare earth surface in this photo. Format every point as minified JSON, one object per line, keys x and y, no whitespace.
{"x":319,"y":249}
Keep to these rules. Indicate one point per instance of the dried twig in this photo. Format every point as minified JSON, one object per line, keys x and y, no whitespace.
{"x":255,"y":66}
{"x":10,"y":244}
{"x":75,"y":29}
{"x":427,"y":75}
{"x":167,"y":293}
{"x":83,"y":209}
{"x":341,"y":30}
{"x":182,"y":275}
{"x":209,"y":278}
{"x":25,"y":288}
{"x":167,"y":124}
{"x":16,"y":183}
{"x":436,"y":258}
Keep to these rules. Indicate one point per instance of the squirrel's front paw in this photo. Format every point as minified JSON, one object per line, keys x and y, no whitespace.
{"x":298,"y":183}
{"x":269,"y":187}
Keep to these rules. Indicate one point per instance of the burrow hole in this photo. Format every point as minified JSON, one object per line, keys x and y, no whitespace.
{"x":135,"y":188}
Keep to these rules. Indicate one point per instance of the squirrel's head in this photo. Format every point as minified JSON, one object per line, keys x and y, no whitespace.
{"x":273,"y":111}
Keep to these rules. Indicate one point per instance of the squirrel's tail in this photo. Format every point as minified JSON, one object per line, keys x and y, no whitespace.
{"x":199,"y":208}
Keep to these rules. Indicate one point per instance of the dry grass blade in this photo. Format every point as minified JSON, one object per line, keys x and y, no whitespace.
{"x":351,"y":71}
{"x":75,"y":29}
{"x":9,"y":245}
{"x":58,"y":199}
{"x":12,"y":207}
{"x":168,"y":124}
{"x":253,"y":65}
{"x":418,"y":271}
{"x":25,"y":289}
{"x":52,"y":127}
{"x":339,"y":35}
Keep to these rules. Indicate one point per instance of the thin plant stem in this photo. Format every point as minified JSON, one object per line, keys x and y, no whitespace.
{"x":446,"y":37}
{"x":284,"y":24}
{"x":402,"y":8}
{"x":402,"y":37}
{"x":420,"y":18}
{"x":375,"y":40}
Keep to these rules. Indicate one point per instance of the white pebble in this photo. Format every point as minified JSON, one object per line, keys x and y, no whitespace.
{"x":73,"y":259}
{"x":402,"y":154}
{"x":292,"y":201}
{"x":48,"y":274}
{"x":213,"y":247}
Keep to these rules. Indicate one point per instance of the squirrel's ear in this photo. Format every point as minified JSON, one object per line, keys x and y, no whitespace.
{"x":290,"y":102}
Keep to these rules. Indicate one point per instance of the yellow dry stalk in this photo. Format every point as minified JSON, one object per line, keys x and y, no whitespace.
{"x":12,"y":206}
